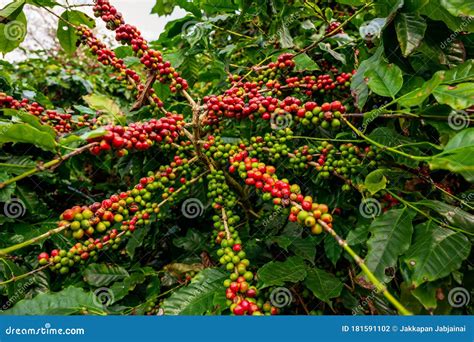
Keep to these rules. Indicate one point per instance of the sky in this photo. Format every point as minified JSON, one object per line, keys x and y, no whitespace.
{"x":42,"y":25}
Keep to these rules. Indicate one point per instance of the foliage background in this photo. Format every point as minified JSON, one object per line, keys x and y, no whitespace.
{"x":419,"y":60}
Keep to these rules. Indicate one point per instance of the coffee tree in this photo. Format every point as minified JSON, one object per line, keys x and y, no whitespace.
{"x":258,"y":158}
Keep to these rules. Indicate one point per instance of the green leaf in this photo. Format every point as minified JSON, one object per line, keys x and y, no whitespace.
{"x":426,"y":295}
{"x":324,"y":285}
{"x":189,"y":6}
{"x":414,"y":5}
{"x":338,"y":56}
{"x":107,"y":105}
{"x":12,"y":9}
{"x":286,"y":41}
{"x":304,"y":62}
{"x":136,"y":240}
{"x":455,"y":216}
{"x":42,"y":3}
{"x":458,"y":155}
{"x":461,"y":73}
{"x":457,"y":96}
{"x":278,"y":272}
{"x":198,"y":296}
{"x":67,"y":35}
{"x":13,"y":31}
{"x":103,"y":274}
{"x":121,"y":288}
{"x":435,"y":11}
{"x":390,"y":237}
{"x":375,"y":181}
{"x":410,"y":30}
{"x":305,"y":248}
{"x":358,"y":235}
{"x":192,"y":242}
{"x":359,"y":88}
{"x":459,"y":7}
{"x":332,"y":249}
{"x":384,"y":79}
{"x":435,"y":253}
{"x":25,"y":133}
{"x":417,"y":96}
{"x":29,"y":119}
{"x":66,"y":302}
{"x":163,"y":7}
{"x":389,"y":137}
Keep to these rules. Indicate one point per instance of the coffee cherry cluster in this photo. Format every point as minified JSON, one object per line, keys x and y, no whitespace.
{"x":61,"y":122}
{"x":219,"y":191}
{"x":388,"y":201}
{"x":103,"y":224}
{"x":333,"y":26}
{"x":284,"y":61}
{"x":140,"y":135}
{"x":321,"y":84}
{"x":218,"y":150}
{"x":130,"y":35}
{"x":344,"y":160}
{"x":241,"y":295}
{"x":326,"y":116}
{"x":107,"y":57}
{"x":274,"y":146}
{"x":263,"y":178}
{"x":270,"y":72}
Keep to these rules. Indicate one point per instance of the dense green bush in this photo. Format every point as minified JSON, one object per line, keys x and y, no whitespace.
{"x":290,"y":157}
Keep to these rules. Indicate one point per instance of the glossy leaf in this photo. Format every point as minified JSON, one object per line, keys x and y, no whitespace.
{"x":458,"y":155}
{"x":390,"y":237}
{"x":12,"y":32}
{"x":103,"y":274}
{"x":435,"y":253}
{"x":410,"y":30}
{"x":384,"y":79}
{"x":459,"y":96}
{"x":197,"y":297}
{"x":66,"y":302}
{"x":278,"y":272}
{"x":324,"y":285}
{"x":67,"y":35}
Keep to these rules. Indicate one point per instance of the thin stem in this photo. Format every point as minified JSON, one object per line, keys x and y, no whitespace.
{"x":336,"y":30}
{"x":226,"y":226}
{"x":21,"y":276}
{"x":408,"y":204}
{"x":324,"y":139}
{"x":49,"y":165}
{"x":384,"y":147}
{"x":232,"y":32}
{"x":29,"y":242}
{"x":360,"y":262}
